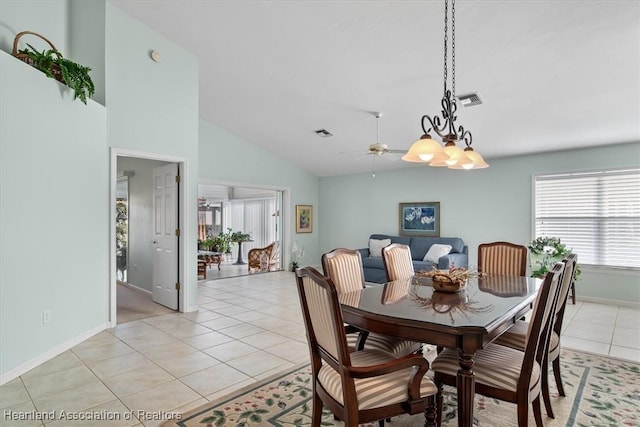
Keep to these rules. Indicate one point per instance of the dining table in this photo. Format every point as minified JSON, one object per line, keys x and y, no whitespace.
{"x":467,"y":320}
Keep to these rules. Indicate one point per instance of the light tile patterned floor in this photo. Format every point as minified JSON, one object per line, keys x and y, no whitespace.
{"x":178,"y":361}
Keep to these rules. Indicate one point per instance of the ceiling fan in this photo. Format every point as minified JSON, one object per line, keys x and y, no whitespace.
{"x":380,"y":149}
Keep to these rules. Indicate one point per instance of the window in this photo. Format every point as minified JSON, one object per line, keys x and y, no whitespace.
{"x":596,"y":214}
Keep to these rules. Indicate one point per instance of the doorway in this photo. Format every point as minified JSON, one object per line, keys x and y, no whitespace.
{"x":133,"y":236}
{"x":240,"y":208}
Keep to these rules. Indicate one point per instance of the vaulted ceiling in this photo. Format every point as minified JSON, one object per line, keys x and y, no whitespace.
{"x":552,"y":74}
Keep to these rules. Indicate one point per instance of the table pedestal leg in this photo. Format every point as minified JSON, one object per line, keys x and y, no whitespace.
{"x":466,"y":389}
{"x":239,"y":261}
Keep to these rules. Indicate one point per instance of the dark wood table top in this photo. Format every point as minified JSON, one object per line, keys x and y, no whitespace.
{"x":412,"y":309}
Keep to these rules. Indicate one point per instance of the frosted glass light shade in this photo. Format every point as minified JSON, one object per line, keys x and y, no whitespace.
{"x":472,"y":160}
{"x":423,"y":150}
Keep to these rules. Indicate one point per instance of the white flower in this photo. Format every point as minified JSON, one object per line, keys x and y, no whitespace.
{"x":427,"y":219}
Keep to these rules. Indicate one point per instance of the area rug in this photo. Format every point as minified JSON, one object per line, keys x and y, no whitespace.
{"x":600,"y":391}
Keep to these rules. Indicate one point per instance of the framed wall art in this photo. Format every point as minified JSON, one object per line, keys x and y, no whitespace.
{"x":304,"y":219}
{"x":420,"y":219}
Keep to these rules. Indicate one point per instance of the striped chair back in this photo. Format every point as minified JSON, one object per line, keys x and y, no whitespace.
{"x":322,"y":317}
{"x":502,"y":258}
{"x":344,"y":268}
{"x":397,"y":262}
{"x":542,"y":316}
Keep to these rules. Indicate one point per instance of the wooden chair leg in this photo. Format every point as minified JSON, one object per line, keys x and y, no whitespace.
{"x":546,"y":396}
{"x":573,"y":292}
{"x":523,"y":412}
{"x":439,"y":405}
{"x":430,"y":412}
{"x":316,"y":411}
{"x":558,"y":377}
{"x":537,"y":413}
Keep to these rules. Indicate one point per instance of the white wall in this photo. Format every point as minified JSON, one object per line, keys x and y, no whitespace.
{"x":478,"y":206}
{"x":53,"y":216}
{"x":226,"y":157}
{"x":87,"y":40}
{"x":49,"y":18}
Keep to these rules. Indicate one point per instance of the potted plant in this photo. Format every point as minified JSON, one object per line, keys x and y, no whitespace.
{"x":297,"y":252}
{"x":544,"y":252}
{"x":219,"y":243}
{"x":54,"y":65}
{"x":239,"y":236}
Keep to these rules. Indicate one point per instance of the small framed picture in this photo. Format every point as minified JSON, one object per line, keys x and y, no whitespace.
{"x":420,"y":219}
{"x":304,"y":219}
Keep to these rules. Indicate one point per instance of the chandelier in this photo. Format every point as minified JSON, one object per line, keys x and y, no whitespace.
{"x":426,"y":149}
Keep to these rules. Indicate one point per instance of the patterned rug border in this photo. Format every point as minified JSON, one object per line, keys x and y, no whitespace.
{"x":573,"y":413}
{"x":234,"y":394}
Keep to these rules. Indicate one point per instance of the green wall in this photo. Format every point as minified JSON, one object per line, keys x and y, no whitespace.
{"x":478,"y":206}
{"x":226,"y":157}
{"x":53,"y":215}
{"x":152,"y":107}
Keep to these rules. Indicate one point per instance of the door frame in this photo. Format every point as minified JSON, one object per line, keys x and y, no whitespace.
{"x":183,"y":165}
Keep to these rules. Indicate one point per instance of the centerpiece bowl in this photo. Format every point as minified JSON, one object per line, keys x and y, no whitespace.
{"x":452,"y":280}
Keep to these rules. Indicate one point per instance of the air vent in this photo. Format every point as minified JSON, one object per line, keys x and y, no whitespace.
{"x":323,"y":133}
{"x":469,"y":100}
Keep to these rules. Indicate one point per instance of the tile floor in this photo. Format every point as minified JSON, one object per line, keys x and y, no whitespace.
{"x":149,"y":368}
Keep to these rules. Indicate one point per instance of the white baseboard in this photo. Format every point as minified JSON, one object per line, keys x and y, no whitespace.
{"x":11,"y":374}
{"x":607,"y":301}
{"x":136,"y":287}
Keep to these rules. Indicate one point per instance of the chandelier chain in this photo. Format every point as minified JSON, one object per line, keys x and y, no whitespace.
{"x":453,"y":49}
{"x":446,"y":38}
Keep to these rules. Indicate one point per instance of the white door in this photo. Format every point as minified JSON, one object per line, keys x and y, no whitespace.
{"x":165,"y":235}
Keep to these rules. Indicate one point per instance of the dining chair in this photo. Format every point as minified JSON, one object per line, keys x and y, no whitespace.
{"x":516,"y":336}
{"x":361,"y":386}
{"x":397,"y":262}
{"x":502,"y":258}
{"x":344,"y":268}
{"x":505,"y":373}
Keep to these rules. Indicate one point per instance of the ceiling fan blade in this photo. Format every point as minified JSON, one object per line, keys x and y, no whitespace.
{"x":396,"y":151}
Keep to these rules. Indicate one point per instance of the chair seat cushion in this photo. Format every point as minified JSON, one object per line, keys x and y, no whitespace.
{"x":378,"y":391}
{"x":394,"y":346}
{"x":495,"y":366}
{"x":516,"y":337}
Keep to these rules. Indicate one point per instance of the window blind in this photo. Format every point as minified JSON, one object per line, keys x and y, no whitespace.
{"x":596,"y":214}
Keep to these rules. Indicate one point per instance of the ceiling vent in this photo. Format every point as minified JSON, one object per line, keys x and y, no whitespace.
{"x":470,"y":99}
{"x":323,"y":133}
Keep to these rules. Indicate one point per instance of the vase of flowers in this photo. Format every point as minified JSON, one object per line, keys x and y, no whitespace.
{"x":544,"y":252}
{"x":297,"y":252}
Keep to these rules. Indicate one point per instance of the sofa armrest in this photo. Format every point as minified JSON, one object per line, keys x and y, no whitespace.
{"x":364,"y":252}
{"x":455,"y":259}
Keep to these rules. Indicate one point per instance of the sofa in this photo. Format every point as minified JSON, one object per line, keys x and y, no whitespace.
{"x":374,"y":269}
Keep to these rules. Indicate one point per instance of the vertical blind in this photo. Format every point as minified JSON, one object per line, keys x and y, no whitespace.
{"x":596,"y":214}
